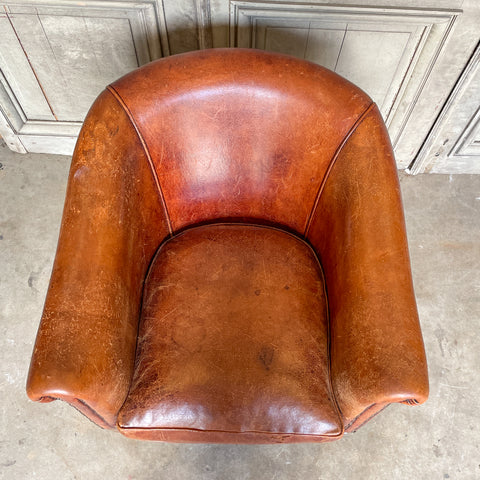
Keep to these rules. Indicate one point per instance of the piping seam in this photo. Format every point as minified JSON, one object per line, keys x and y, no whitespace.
{"x":112,"y":90}
{"x":74,"y":401}
{"x":332,"y":163}
{"x":371,"y":417}
{"x":244,"y":432}
{"x":93,"y":412}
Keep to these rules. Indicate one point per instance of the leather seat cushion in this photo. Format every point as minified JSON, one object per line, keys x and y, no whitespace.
{"x":233,"y":342}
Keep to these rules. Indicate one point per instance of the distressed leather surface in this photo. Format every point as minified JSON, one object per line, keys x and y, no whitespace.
{"x":239,"y":136}
{"x":358,"y":231}
{"x":85,"y":347}
{"x":233,"y":340}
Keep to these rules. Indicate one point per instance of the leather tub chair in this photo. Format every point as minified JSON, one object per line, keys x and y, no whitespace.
{"x":232,"y":264}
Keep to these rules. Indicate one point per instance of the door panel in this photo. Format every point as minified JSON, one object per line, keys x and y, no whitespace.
{"x":56,"y":59}
{"x":56,"y":56}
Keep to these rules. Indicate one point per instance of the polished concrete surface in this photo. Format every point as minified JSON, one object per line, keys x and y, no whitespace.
{"x":438,"y":440}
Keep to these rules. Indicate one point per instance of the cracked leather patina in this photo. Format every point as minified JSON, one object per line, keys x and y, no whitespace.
{"x":256,"y":355}
{"x":232,"y":263}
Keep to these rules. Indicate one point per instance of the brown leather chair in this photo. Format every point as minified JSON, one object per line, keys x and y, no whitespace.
{"x":232,"y":263}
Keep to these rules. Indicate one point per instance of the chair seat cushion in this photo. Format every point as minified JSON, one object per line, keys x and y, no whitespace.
{"x":233,"y":342}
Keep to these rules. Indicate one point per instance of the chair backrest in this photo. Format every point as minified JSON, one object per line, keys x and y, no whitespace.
{"x":240,"y":134}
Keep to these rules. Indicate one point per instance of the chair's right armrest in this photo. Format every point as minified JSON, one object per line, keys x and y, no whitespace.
{"x":358,"y":231}
{"x":113,"y":222}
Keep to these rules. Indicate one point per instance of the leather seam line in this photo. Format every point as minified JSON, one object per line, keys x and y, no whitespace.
{"x":332,"y":163}
{"x":94,"y":412}
{"x":84,"y":404}
{"x":363,"y":412}
{"x":371,"y":417}
{"x":330,"y":385}
{"x":244,"y":224}
{"x":245,"y":432}
{"x":117,"y":96}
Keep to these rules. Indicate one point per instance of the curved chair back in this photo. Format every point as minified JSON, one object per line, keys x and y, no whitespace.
{"x":229,"y":143}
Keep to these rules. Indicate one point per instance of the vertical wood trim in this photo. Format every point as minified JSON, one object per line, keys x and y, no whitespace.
{"x":9,"y":136}
{"x":243,"y":16}
{"x":420,"y":161}
{"x":30,"y":63}
{"x":425,"y":77}
{"x":162,"y":27}
{"x":149,"y":36}
{"x":204,"y":24}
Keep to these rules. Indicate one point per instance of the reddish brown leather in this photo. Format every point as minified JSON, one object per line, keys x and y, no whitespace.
{"x":113,"y":222}
{"x":233,"y":342}
{"x":377,"y":353}
{"x":238,"y":135}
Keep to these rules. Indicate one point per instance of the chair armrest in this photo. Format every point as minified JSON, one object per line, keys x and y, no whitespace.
{"x":358,"y":231}
{"x":113,"y":222}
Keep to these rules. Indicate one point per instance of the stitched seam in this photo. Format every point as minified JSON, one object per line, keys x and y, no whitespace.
{"x":244,"y":224}
{"x":92,"y":411}
{"x":140,"y":310}
{"x":245,"y":432}
{"x":73,"y":402}
{"x":352,"y":423}
{"x":117,"y":96}
{"x":329,"y":346}
{"x":331,"y":164}
{"x":359,"y":415}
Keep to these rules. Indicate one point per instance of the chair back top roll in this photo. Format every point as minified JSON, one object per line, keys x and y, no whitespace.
{"x":238,"y":134}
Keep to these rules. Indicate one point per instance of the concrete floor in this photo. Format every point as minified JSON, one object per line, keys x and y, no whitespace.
{"x":438,"y":440}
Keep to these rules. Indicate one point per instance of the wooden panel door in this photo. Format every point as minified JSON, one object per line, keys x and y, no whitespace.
{"x":55,"y":60}
{"x":408,"y":55}
{"x":453,"y":144}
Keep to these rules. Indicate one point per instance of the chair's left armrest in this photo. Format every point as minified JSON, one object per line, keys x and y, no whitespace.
{"x":113,"y":221}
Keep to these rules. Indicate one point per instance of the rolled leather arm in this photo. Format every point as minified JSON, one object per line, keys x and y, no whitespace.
{"x":113,"y":221}
{"x":358,"y":231}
